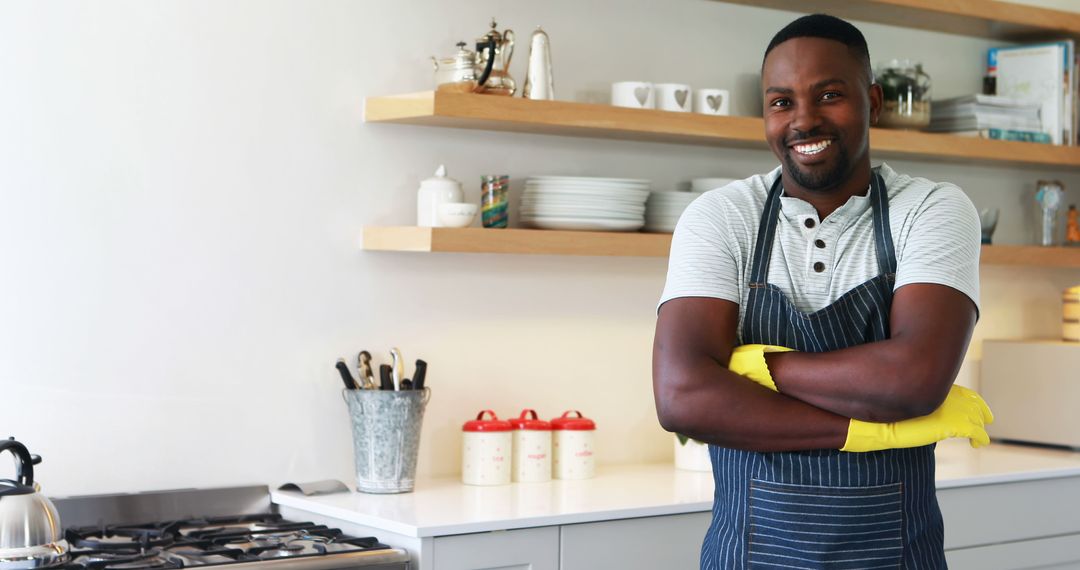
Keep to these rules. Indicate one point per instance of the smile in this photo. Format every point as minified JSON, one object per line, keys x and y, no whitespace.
{"x":812,"y":148}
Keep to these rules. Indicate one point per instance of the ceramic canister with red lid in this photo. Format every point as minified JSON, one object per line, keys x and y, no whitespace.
{"x":573,"y":441}
{"x":485,"y":450}
{"x":532,"y":448}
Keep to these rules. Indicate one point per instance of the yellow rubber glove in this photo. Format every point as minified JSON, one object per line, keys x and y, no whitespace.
{"x":963,"y":414}
{"x":749,"y":360}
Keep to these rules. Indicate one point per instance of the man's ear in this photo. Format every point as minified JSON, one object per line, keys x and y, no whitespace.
{"x":877,"y":96}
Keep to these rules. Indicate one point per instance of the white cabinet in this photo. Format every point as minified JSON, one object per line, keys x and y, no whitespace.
{"x":1056,"y":553}
{"x":671,"y":542}
{"x":1008,"y":512}
{"x":525,"y":549}
{"x":1028,"y":524}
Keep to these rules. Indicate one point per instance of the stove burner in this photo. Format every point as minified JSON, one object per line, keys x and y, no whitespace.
{"x":206,"y":542}
{"x":118,"y":560}
{"x":119,"y":538}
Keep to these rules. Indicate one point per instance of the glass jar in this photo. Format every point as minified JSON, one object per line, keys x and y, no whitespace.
{"x":493,"y":200}
{"x":907,"y":95}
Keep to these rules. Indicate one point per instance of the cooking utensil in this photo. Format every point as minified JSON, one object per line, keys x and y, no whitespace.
{"x":31,"y":536}
{"x":398,"y":371}
{"x":367,"y":376}
{"x":346,"y":376}
{"x":406,"y":384}
{"x":386,"y":382}
{"x":419,"y":374}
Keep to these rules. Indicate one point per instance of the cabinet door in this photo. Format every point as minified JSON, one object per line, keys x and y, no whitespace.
{"x":1058,"y":553}
{"x":983,"y":515}
{"x":671,"y":542}
{"x":526,"y":549}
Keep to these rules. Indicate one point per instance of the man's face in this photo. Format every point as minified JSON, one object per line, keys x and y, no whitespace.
{"x":818,"y":108}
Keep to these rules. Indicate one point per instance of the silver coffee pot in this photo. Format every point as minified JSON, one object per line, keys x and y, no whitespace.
{"x":30,"y":532}
{"x":486,"y":70}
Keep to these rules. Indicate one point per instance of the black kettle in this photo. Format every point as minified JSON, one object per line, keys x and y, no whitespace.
{"x":30,"y":532}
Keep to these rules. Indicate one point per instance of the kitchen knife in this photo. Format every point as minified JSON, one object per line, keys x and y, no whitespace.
{"x":399,"y":367}
{"x":384,"y":376}
{"x":367,"y":376}
{"x":419,"y":374}
{"x":346,"y":376}
{"x":406,"y":384}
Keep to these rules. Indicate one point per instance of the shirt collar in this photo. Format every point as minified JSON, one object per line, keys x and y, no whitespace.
{"x":796,"y":210}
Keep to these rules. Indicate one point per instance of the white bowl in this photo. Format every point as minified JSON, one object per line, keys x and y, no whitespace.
{"x":457,"y":214}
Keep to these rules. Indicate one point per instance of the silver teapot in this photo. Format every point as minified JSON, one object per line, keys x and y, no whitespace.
{"x":30,"y":532}
{"x":486,"y":70}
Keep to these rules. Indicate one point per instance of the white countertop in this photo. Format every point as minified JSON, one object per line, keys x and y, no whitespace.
{"x":444,"y":506}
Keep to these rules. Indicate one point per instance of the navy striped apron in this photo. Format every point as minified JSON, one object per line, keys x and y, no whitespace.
{"x":823,"y":508}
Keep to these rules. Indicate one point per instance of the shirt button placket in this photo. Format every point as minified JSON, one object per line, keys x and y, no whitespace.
{"x":821,"y":254}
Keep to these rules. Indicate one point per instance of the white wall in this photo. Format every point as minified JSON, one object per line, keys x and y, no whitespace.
{"x":184,"y":185}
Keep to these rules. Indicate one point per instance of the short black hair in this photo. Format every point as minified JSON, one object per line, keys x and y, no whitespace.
{"x":827,"y":27}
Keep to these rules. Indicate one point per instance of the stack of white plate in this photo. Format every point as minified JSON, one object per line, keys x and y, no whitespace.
{"x":663,"y":209}
{"x":581,"y":203}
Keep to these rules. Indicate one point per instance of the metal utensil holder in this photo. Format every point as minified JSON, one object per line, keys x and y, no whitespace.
{"x":386,"y":437}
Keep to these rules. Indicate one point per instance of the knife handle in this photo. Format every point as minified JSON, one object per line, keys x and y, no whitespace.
{"x":346,"y":376}
{"x":385,"y":379}
{"x":419,"y":375}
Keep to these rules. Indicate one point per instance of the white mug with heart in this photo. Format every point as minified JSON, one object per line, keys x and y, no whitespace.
{"x":673,"y":97}
{"x":635,"y":94}
{"x":712,"y":101}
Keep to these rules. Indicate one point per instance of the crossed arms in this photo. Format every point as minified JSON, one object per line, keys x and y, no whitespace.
{"x":907,"y":376}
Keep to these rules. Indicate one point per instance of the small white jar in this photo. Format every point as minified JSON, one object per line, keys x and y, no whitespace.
{"x":439,"y":189}
{"x":532,"y":448}
{"x":485,"y":451}
{"x":573,"y":442}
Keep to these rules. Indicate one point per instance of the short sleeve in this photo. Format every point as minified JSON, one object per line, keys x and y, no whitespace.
{"x":943,"y":243}
{"x":702,"y":262}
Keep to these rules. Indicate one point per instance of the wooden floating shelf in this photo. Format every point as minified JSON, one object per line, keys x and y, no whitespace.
{"x":516,"y":241}
{"x":1031,"y":255}
{"x":979,"y":18}
{"x":516,"y":114}
{"x":625,"y":244}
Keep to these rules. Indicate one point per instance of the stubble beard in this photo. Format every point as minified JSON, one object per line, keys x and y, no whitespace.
{"x":818,"y":182}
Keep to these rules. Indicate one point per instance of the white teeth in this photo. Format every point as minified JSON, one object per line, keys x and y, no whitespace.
{"x":813,"y":148}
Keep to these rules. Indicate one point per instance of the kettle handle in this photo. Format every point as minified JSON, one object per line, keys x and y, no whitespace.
{"x":490,"y":44}
{"x":24,"y":474}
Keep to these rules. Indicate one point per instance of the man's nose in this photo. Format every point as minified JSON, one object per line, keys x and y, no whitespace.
{"x":806,"y":117}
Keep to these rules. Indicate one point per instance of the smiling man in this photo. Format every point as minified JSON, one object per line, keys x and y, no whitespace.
{"x":811,"y":327}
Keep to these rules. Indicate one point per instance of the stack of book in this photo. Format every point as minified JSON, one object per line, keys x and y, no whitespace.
{"x":1043,"y":73}
{"x":989,"y":116}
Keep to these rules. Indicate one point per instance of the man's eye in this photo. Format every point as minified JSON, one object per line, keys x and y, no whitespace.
{"x":780,"y":103}
{"x":830,"y":95}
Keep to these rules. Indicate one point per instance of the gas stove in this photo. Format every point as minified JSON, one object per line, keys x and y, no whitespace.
{"x":106,"y":535}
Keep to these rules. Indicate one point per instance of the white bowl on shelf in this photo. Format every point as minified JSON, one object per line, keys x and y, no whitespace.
{"x":457,"y":214}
